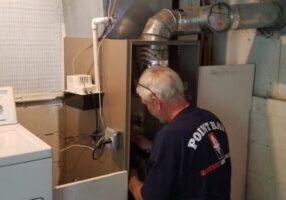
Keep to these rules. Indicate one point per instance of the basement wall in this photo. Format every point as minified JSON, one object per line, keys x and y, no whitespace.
{"x":266,"y":176}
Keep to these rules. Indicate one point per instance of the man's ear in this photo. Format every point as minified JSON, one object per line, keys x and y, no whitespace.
{"x":157,"y":102}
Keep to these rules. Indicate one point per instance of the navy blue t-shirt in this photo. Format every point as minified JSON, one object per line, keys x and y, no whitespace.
{"x":189,"y":159}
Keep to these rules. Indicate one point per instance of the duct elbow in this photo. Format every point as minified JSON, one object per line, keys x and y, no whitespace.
{"x":162,"y":26}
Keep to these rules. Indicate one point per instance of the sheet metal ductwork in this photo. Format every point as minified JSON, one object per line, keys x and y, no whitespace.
{"x":218,"y":17}
{"x":132,"y":15}
{"x":167,"y":23}
{"x":268,"y":16}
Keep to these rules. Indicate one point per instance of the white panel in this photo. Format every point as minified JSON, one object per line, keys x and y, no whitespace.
{"x":31,"y":46}
{"x":227,"y":91}
{"x":108,"y":187}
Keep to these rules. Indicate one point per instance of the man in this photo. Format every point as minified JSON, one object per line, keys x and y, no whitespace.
{"x":189,"y":158}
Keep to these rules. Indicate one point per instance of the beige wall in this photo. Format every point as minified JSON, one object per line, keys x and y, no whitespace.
{"x":61,"y":125}
{"x":78,"y":162}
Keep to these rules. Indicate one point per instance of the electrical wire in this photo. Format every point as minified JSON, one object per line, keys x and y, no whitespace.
{"x":109,"y":8}
{"x":97,"y":122}
{"x":77,"y":55}
{"x":112,"y":9}
{"x":99,"y":147}
{"x":100,"y":96}
{"x":76,"y":145}
{"x":100,"y":111}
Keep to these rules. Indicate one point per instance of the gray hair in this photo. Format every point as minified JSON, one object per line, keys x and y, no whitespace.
{"x":160,"y":81}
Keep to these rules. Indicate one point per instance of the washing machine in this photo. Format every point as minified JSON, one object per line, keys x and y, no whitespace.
{"x":25,"y":160}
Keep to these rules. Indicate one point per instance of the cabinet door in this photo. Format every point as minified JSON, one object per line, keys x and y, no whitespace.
{"x":107,"y":187}
{"x":227,"y":92}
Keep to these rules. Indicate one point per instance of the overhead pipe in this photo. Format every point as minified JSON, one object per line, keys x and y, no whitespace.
{"x":167,"y":23}
{"x":258,"y":15}
{"x":219,"y":17}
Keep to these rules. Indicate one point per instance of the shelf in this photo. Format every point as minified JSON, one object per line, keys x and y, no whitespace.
{"x":83,"y":102}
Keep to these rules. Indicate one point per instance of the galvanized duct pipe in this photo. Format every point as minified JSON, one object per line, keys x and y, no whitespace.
{"x":257,"y":15}
{"x":162,"y":25}
{"x":167,"y":23}
{"x":218,"y":17}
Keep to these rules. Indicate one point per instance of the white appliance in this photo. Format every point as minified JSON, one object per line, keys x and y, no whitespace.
{"x":25,"y":160}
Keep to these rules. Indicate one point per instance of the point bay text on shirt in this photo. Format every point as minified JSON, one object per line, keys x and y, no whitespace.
{"x":202,"y":130}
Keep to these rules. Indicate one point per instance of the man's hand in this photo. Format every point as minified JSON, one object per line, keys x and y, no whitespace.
{"x":135,"y":186}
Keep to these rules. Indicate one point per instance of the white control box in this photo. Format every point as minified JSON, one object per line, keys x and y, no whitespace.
{"x":80,"y":84}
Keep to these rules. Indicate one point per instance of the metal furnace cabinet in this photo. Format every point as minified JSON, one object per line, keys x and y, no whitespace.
{"x":122,"y":63}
